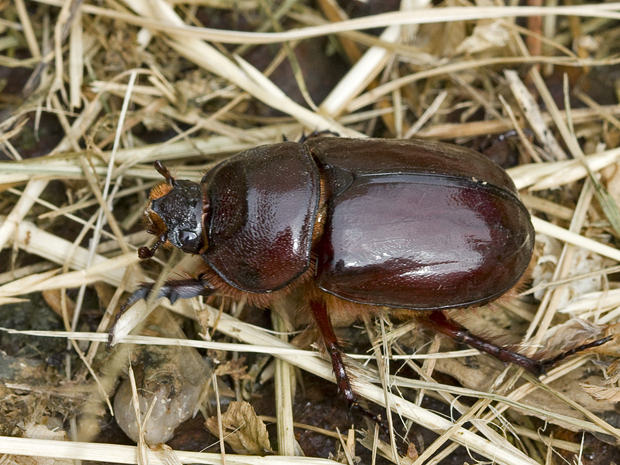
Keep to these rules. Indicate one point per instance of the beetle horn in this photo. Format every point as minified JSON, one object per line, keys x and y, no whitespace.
{"x":161,"y":169}
{"x":145,"y":252}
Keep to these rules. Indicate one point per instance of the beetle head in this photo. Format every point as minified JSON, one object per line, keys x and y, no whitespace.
{"x":175,"y":215}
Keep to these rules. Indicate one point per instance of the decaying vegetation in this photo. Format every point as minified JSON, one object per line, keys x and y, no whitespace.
{"x":91,"y":93}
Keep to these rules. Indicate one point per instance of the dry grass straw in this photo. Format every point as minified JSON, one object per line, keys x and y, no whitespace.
{"x":406,"y":88}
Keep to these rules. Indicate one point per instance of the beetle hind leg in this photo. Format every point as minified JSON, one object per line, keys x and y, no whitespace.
{"x":441,"y":323}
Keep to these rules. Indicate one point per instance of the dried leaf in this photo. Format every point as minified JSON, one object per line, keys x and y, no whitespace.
{"x":244,"y":431}
{"x":613,"y":373}
{"x":40,"y":432}
{"x":53,"y":300}
{"x":602,"y":394}
{"x":573,"y":333}
{"x":235,"y":368}
{"x":165,"y":454}
{"x":481,"y":372}
{"x":484,"y":37}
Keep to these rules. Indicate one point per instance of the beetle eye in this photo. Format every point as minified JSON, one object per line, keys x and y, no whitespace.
{"x":186,"y":236}
{"x":189,"y":241}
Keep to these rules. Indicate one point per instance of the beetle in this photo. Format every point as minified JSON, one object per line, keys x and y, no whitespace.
{"x":359,"y":226}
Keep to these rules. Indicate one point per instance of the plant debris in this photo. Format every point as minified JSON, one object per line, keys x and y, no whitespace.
{"x":92,"y":93}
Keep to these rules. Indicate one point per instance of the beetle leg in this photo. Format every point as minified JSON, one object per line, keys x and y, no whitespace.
{"x":317,"y":133}
{"x":548,"y":363}
{"x":324,"y":325}
{"x":174,"y":290}
{"x":441,"y":323}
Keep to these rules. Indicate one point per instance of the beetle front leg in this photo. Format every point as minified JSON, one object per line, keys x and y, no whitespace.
{"x":173,"y":290}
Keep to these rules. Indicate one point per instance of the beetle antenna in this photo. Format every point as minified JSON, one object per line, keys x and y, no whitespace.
{"x":161,"y":169}
{"x":145,"y":252}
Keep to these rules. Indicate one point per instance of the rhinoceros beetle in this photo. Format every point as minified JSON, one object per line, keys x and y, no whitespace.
{"x":356,"y":225}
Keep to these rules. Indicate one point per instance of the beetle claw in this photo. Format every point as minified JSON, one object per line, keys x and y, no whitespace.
{"x":173,"y":297}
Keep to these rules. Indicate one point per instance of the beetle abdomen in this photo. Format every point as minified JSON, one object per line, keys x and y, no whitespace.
{"x":261,"y":209}
{"x":423,"y":242}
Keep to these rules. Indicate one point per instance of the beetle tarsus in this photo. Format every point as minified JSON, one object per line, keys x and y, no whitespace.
{"x":441,"y":323}
{"x":548,"y":363}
